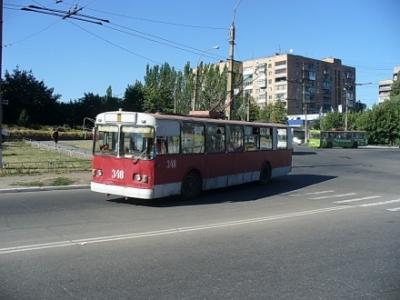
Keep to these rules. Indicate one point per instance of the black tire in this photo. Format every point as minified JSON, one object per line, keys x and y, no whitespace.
{"x":191,"y":186}
{"x":355,"y":145}
{"x":329,"y":145}
{"x":265,"y":174}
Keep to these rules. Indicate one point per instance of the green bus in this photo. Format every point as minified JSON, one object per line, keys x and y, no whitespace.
{"x":337,"y":138}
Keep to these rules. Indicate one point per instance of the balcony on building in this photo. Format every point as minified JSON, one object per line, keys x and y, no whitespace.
{"x":327,"y":86}
{"x":261,"y":83}
{"x":247,"y":71}
{"x":261,"y":68}
{"x":310,"y":75}
{"x":349,"y":75}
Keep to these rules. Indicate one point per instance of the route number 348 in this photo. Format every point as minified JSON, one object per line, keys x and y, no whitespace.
{"x":171,"y":164}
{"x":117,"y":174}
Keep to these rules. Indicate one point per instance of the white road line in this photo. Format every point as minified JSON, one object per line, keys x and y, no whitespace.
{"x":380,"y":203}
{"x":82,"y":242}
{"x":333,"y":196}
{"x":322,"y":192}
{"x":357,"y":199}
{"x":394,"y":209}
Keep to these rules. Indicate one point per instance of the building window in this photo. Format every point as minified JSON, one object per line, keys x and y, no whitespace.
{"x":280,"y":71}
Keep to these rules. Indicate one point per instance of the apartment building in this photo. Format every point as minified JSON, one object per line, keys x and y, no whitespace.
{"x":303,"y":84}
{"x":385,"y":85}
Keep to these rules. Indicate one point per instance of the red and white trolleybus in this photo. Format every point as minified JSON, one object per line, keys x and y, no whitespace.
{"x":141,"y":155}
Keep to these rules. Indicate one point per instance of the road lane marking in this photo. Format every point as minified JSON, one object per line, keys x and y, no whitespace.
{"x":82,"y":242}
{"x":393,"y":209}
{"x":357,"y":199}
{"x":333,"y":196}
{"x":380,"y":203}
{"x":318,"y":193}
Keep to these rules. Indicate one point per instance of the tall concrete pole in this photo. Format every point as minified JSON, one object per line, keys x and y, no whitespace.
{"x":229,"y":89}
{"x":1,"y":59}
{"x":346,"y":108}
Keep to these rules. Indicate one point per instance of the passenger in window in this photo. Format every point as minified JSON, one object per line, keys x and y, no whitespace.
{"x":219,"y":144}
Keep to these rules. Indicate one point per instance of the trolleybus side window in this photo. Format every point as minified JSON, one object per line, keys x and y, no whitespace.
{"x":215,"y":138}
{"x":235,"y":138}
{"x":265,"y":138}
{"x":251,"y":138}
{"x":192,"y":138}
{"x":282,"y":138}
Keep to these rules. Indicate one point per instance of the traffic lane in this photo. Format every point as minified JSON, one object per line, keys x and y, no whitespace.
{"x":342,"y":254}
{"x":35,"y":218}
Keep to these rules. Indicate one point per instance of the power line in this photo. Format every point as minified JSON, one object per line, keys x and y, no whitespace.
{"x":160,"y":22}
{"x":111,"y":43}
{"x":162,"y":39}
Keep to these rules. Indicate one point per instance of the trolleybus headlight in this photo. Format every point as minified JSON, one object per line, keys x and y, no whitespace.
{"x":97,"y":172}
{"x":137,"y":177}
{"x":145,"y":178}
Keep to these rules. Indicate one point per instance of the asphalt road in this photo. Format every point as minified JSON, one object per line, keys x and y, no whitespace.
{"x":329,"y":230}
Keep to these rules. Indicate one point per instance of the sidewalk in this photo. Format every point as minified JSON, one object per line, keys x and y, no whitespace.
{"x":40,"y":182}
{"x":44,"y":181}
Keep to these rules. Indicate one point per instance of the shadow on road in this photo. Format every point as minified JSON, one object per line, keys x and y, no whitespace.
{"x":240,"y":193}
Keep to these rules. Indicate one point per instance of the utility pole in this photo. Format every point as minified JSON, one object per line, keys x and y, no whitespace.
{"x":305,"y":113}
{"x":346,"y":108}
{"x":1,"y":59}
{"x":346,"y":89}
{"x":229,"y":94}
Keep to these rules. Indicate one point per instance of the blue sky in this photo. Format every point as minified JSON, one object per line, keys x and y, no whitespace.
{"x":76,"y":57}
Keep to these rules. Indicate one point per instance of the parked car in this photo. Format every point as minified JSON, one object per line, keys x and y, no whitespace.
{"x":4,"y":135}
{"x":297,"y":141}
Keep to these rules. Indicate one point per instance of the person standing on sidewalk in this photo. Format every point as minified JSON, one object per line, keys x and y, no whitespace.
{"x":54,"y":137}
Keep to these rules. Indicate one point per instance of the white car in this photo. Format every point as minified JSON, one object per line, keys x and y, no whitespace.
{"x":297,"y":141}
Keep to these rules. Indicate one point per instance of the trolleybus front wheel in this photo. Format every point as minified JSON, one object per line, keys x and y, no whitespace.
{"x":191,"y":185}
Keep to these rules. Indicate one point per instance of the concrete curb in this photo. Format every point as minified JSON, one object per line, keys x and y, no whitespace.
{"x":44,"y":188}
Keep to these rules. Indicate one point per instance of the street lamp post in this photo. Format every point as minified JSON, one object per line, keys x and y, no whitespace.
{"x":197,"y":77}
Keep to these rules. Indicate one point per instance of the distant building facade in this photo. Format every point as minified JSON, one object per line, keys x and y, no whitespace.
{"x":304,"y":84}
{"x":385,"y":86}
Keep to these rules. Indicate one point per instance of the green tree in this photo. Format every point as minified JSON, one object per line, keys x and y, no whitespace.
{"x":265,"y":113}
{"x":157,"y":100}
{"x":25,"y":92}
{"x":159,"y":87}
{"x":332,"y":120}
{"x":279,"y":114}
{"x":133,"y":97}
{"x":184,"y":90}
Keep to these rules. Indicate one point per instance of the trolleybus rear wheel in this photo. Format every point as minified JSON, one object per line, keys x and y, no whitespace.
{"x":355,"y":145}
{"x":265,"y":174}
{"x":191,"y":185}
